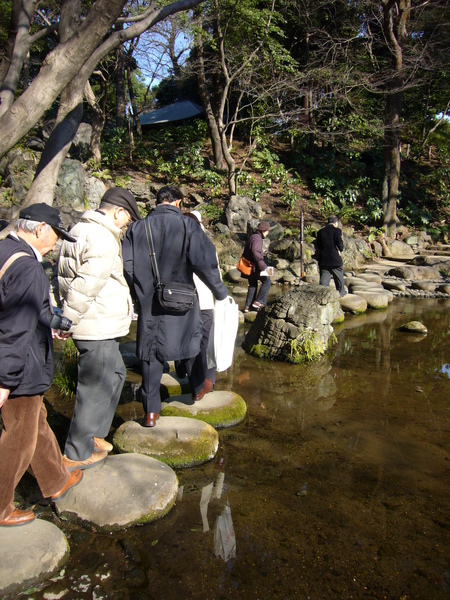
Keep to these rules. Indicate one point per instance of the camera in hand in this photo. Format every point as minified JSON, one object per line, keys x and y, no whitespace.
{"x":59,"y":321}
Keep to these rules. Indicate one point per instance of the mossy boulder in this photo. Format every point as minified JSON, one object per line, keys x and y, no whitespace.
{"x":296,"y":326}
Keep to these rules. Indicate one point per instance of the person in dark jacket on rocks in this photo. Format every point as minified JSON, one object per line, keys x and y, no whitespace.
{"x":26,"y":362}
{"x":253,"y":252}
{"x":181,"y":249}
{"x":330,"y":246}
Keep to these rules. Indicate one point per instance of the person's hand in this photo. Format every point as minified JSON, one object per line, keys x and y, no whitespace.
{"x":60,"y":335}
{"x":4,"y":393}
{"x":222,"y":301}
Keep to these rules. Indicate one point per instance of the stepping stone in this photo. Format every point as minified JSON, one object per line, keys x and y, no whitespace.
{"x":394,"y":285}
{"x":234,"y":275}
{"x":374,"y":300}
{"x":29,"y":555}
{"x":374,"y":289}
{"x":425,"y":286}
{"x":171,"y":385}
{"x":177,"y":441}
{"x":220,"y":409}
{"x":372,"y":277}
{"x":239,"y":291}
{"x":353,"y":303}
{"x":444,"y":288}
{"x":121,"y":492}
{"x":250,"y":316}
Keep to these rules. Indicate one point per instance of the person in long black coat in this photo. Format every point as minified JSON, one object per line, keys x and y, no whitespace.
{"x":181,"y":249}
{"x":330,"y":246}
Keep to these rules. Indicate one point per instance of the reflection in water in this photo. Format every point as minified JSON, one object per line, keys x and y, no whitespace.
{"x":337,"y":479}
{"x":224,"y":536}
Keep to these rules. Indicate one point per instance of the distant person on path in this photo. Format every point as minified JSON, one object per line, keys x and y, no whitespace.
{"x":253,"y":252}
{"x":95,"y":296}
{"x":26,"y":362}
{"x":181,"y":249}
{"x":330,"y":246}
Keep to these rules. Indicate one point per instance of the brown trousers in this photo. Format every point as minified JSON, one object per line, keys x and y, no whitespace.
{"x":27,"y":440}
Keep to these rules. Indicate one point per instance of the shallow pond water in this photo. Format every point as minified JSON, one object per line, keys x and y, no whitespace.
{"x":337,"y":481}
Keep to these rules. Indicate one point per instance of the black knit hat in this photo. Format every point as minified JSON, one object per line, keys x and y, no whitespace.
{"x":124,"y":199}
{"x":263,"y":226}
{"x":43,"y":213}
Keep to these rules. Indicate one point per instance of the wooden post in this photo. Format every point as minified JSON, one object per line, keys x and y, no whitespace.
{"x":302,"y":239}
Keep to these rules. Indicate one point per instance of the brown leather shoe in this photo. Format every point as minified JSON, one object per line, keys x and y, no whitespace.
{"x":18,"y":517}
{"x":75,"y":477}
{"x":92,"y":461}
{"x":101,"y":444}
{"x":150,"y":419}
{"x":208,"y":387}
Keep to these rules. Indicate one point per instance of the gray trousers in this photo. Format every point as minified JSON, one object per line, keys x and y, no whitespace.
{"x":338,"y":276}
{"x":101,"y":375}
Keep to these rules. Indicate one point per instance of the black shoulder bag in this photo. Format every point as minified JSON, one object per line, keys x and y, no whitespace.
{"x":173,"y":298}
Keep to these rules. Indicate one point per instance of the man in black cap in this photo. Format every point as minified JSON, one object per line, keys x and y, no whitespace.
{"x":96,"y":298}
{"x":26,"y":362}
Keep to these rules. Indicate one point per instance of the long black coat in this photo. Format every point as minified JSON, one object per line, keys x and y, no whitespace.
{"x":181,"y":248}
{"x":26,"y":345}
{"x":330,"y":244}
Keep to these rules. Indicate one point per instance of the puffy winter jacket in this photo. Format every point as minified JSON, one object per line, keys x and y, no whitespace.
{"x":92,"y":286}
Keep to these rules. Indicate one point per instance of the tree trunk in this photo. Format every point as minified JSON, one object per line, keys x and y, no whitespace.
{"x":68,"y":120}
{"x":395,"y":16}
{"x":12,"y":64}
{"x":121,"y":103}
{"x":80,"y":54}
{"x":213,"y":128}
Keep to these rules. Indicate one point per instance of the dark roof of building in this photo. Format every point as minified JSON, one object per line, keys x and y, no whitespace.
{"x":178,"y":111}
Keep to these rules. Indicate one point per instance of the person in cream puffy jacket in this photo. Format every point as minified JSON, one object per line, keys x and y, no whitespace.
{"x":95,"y":296}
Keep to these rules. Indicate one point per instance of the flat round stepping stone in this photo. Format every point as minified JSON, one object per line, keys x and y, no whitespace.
{"x":353,"y":303}
{"x":177,"y":441}
{"x":220,"y":409}
{"x":250,"y":316}
{"x":375,"y":300}
{"x":372,"y":277}
{"x":173,"y":386}
{"x":394,"y":285}
{"x":122,"y":491}
{"x":29,"y":555}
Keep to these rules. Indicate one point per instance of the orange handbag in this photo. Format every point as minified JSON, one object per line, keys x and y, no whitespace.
{"x":244,"y":266}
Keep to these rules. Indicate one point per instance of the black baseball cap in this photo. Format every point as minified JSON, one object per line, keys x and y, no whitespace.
{"x":123,"y":198}
{"x":42,"y":212}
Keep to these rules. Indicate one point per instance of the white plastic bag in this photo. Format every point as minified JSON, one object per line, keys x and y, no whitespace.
{"x":223,"y":333}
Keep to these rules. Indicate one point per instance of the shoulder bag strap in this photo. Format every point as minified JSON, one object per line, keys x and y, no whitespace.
{"x":10,"y":261}
{"x":151,"y":249}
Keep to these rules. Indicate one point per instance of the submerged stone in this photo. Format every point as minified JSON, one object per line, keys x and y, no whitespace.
{"x":219,"y":409}
{"x":177,"y":441}
{"x":30,"y":555}
{"x":414,"y":327}
{"x":121,"y":492}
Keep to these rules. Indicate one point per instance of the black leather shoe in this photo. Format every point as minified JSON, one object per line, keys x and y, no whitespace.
{"x":150,"y":419}
{"x":208,"y":387}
